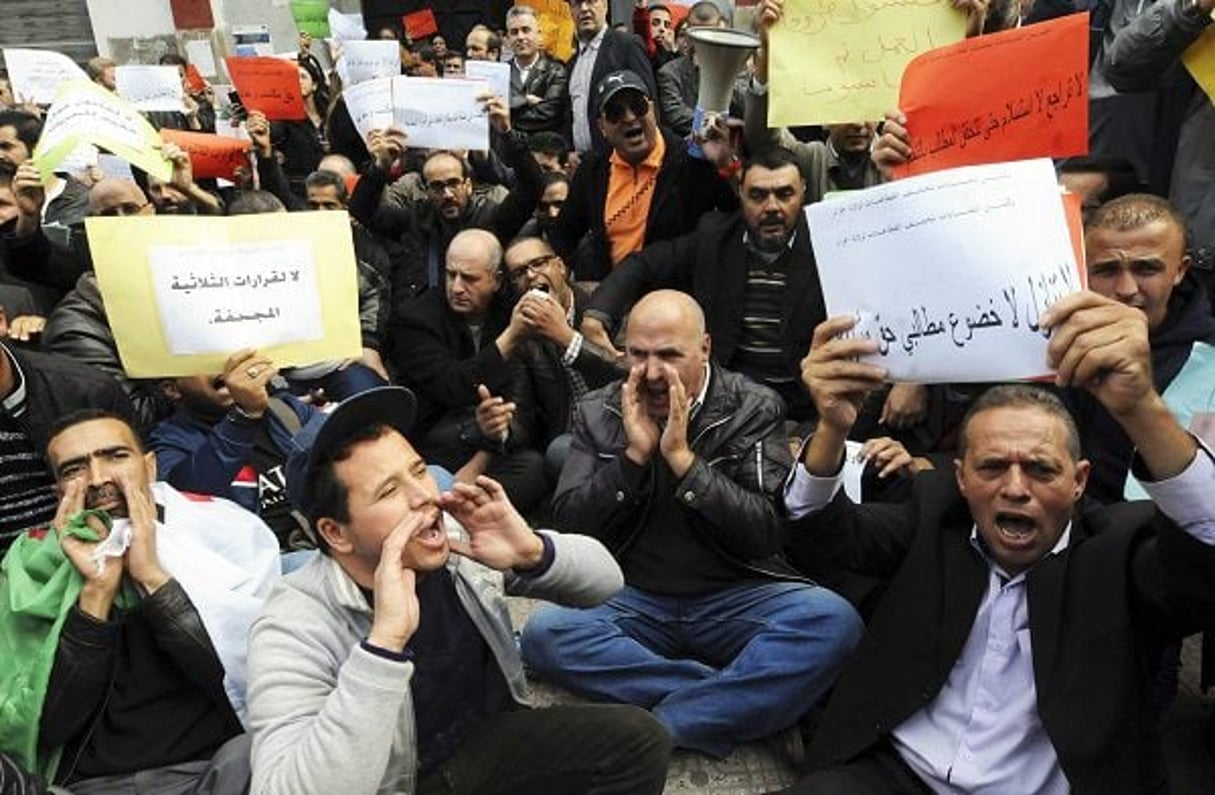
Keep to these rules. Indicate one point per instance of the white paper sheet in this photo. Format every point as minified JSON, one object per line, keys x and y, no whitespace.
{"x":367,"y":60}
{"x":36,"y":75}
{"x":216,"y":298}
{"x":370,"y":105}
{"x":441,"y":114}
{"x":151,"y":88}
{"x":496,"y":73}
{"x":949,"y":271}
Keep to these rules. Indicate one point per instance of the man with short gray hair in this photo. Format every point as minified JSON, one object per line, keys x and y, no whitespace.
{"x":537,"y":82}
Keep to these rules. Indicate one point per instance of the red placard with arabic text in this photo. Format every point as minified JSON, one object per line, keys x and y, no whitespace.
{"x":211,"y":156}
{"x":1013,"y":95}
{"x":269,"y":85}
{"x":420,"y":24}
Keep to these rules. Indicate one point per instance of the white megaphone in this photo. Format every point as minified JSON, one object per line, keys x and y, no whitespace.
{"x":720,"y":54}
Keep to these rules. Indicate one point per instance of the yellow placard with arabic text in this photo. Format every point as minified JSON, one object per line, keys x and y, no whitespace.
{"x":183,"y":293}
{"x":837,"y":61}
{"x":84,"y":112}
{"x":1199,"y":58}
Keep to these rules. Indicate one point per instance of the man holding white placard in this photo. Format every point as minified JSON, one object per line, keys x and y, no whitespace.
{"x":1014,"y":650}
{"x":426,"y":227}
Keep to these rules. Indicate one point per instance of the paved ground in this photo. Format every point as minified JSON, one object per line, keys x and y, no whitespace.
{"x":756,"y":769}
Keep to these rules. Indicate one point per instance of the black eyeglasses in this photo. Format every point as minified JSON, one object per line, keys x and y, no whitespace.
{"x":439,"y":187}
{"x":614,"y":110}
{"x":532,"y":265}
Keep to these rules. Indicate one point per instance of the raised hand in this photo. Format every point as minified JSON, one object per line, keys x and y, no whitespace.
{"x":142,"y":562}
{"x":258,"y":128}
{"x":498,"y":536}
{"x":1101,"y":345}
{"x":893,"y":146}
{"x":498,"y":111}
{"x":639,"y":427}
{"x":494,"y":414}
{"x":837,"y":382}
{"x":674,"y":440}
{"x":543,"y":315}
{"x":247,"y":374}
{"x":906,"y":406}
{"x":396,"y":610}
{"x":386,"y":147}
{"x":100,"y":584}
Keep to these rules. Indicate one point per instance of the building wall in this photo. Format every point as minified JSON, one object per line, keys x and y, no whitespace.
{"x":61,"y":25}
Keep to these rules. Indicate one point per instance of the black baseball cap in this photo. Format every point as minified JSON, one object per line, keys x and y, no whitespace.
{"x":316,"y":442}
{"x":615,"y":82}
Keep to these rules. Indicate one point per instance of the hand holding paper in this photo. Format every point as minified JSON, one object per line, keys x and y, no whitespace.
{"x":269,"y":85}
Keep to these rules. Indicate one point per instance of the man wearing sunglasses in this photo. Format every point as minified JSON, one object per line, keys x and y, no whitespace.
{"x":644,"y":188}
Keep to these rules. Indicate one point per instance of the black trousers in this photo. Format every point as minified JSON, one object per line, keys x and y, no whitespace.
{"x":878,"y":771}
{"x":568,"y":750}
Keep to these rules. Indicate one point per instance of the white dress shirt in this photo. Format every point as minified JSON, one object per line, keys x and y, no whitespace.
{"x":580,"y":90}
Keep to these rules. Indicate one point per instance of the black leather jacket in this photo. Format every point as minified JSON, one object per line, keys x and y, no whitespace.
{"x":92,"y":704}
{"x":742,"y":458}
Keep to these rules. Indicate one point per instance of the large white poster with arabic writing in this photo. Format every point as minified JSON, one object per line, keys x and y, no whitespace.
{"x":950,"y":272}
{"x":218,"y":299}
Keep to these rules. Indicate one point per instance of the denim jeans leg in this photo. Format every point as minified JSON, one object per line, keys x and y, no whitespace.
{"x":623,"y":650}
{"x":777,"y":648}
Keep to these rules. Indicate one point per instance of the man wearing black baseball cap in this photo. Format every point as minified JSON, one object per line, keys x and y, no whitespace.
{"x":645,"y":187}
{"x":386,"y":664}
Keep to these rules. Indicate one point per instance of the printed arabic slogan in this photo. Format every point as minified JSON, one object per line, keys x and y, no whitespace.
{"x":85,"y":113}
{"x":836,"y":61}
{"x":1007,"y":96}
{"x":270,"y":85}
{"x":949,"y":272}
{"x":179,"y":306}
{"x":211,"y":156}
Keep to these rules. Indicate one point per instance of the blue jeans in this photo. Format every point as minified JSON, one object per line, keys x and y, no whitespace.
{"x":717,"y":669}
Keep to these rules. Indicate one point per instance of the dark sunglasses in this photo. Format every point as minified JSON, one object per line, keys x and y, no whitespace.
{"x":614,"y":110}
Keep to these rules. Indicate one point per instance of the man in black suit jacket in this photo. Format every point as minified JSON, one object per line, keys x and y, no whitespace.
{"x":754,"y":273}
{"x":1016,"y":645}
{"x":601,"y":51}
{"x":453,"y":353}
{"x":537,"y":83}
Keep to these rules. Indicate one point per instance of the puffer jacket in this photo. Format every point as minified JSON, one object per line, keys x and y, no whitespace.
{"x":742,"y":458}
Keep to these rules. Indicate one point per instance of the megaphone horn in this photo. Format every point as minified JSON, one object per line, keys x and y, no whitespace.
{"x":720,"y":53}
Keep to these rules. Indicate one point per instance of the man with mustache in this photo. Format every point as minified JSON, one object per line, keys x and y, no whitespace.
{"x":643,"y":187}
{"x":677,"y":469}
{"x":36,"y":388}
{"x":146,"y":689}
{"x":1017,"y":643}
{"x":426,"y":225}
{"x":387,"y":663}
{"x":753,"y":269}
